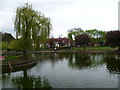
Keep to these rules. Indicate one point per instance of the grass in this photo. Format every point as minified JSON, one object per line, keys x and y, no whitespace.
{"x":95,"y":48}
{"x":16,"y":57}
{"x":13,"y":57}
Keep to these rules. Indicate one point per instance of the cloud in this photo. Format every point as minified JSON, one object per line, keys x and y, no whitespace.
{"x":87,"y":15}
{"x":66,"y":14}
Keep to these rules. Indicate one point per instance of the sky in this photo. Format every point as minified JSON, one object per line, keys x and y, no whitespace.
{"x":65,"y":14}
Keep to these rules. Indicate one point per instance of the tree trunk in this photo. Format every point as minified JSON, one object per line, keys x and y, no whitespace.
{"x":24,"y":54}
{"x":71,"y":43}
{"x":84,"y":47}
{"x":25,"y":73}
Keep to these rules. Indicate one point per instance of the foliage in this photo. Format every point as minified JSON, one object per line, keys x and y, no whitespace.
{"x":96,"y":36}
{"x":44,"y":48}
{"x":31,"y":26}
{"x":64,"y":47}
{"x":51,"y":43}
{"x":4,"y":45}
{"x":74,"y":32}
{"x":7,"y":37}
{"x":14,"y":45}
{"x":113,"y":39}
{"x":82,"y":39}
{"x":0,"y":45}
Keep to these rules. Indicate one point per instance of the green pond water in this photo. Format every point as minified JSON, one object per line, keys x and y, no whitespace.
{"x":68,"y":70}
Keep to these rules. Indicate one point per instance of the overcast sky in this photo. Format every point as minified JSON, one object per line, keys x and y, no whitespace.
{"x":65,"y":14}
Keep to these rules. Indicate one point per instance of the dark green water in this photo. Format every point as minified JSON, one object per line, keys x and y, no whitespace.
{"x":70,"y":70}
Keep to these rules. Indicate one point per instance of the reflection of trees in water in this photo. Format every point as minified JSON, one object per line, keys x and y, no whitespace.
{"x":30,"y":82}
{"x":54,"y":56}
{"x":79,"y":60}
{"x":84,"y":60}
{"x":97,"y":58}
{"x":113,"y":63}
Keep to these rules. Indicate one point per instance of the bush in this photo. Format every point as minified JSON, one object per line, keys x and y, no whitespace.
{"x":113,"y":39}
{"x":4,"y":45}
{"x":64,"y":47}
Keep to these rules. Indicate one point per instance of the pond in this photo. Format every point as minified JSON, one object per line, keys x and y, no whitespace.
{"x":70,"y":70}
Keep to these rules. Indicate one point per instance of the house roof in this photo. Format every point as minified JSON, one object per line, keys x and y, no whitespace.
{"x":65,"y":40}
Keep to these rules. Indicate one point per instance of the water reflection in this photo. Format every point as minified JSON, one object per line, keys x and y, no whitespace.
{"x":113,"y":63}
{"x":53,"y":56}
{"x":79,"y":60}
{"x":70,"y":69}
{"x":84,"y":60}
{"x":27,"y":81}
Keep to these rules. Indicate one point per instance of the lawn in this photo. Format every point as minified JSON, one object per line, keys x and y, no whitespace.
{"x":95,"y":48}
{"x":15,"y":57}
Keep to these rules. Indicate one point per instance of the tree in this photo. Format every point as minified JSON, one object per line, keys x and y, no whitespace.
{"x":4,"y":45}
{"x":51,"y":43}
{"x":74,"y":32}
{"x":96,"y":36}
{"x":7,"y":37}
{"x":31,"y":27}
{"x":101,"y":37}
{"x":82,"y":40}
{"x":113,"y":39}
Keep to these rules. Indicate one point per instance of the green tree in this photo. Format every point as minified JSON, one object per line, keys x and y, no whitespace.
{"x":74,"y":32}
{"x":31,"y":26}
{"x":4,"y":45}
{"x":96,"y":36}
{"x":14,"y":45}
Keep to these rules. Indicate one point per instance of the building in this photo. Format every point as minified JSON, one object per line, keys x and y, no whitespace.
{"x":57,"y":42}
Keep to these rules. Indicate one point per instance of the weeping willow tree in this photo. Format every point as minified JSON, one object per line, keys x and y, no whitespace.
{"x":31,"y":27}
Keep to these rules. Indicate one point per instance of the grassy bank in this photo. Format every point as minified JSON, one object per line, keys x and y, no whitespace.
{"x":16,"y":57}
{"x":73,"y":49}
{"x":95,"y":48}
{"x":8,"y":58}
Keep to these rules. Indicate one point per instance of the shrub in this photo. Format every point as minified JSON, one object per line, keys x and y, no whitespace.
{"x":113,"y":39}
